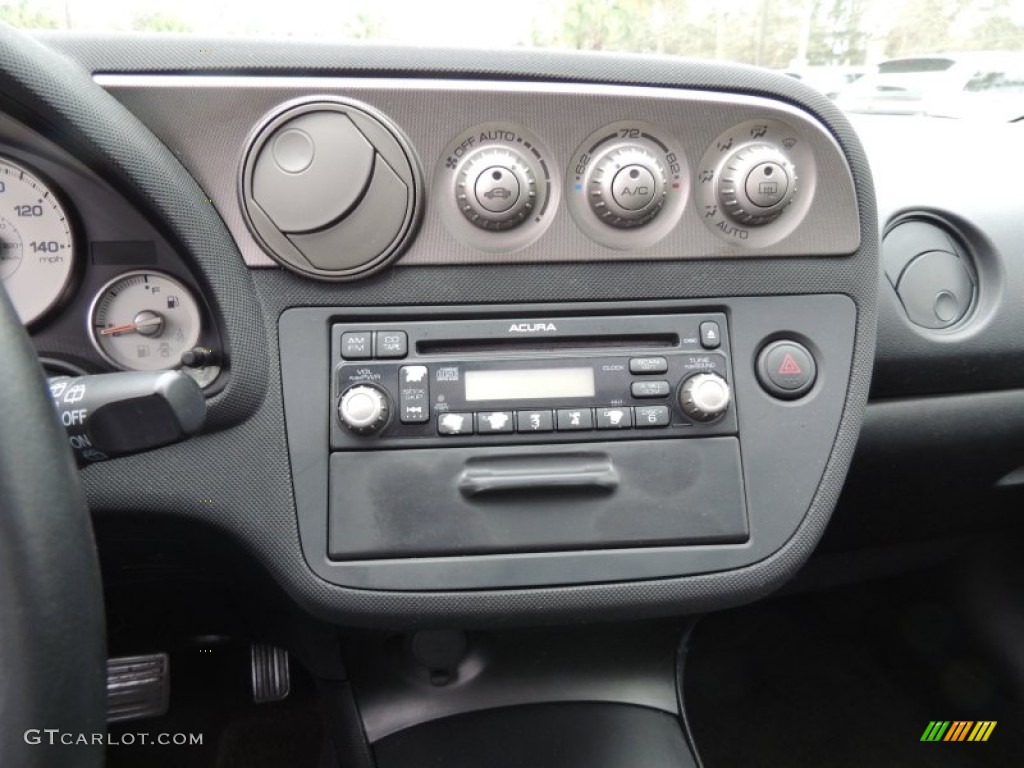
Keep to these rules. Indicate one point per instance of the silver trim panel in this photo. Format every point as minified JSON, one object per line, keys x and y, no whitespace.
{"x":205,"y":120}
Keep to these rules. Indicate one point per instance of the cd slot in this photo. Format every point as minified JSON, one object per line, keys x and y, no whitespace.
{"x":633,"y":343}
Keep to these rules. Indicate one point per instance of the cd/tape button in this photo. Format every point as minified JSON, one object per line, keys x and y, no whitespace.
{"x":614,"y":418}
{"x":392,"y":344}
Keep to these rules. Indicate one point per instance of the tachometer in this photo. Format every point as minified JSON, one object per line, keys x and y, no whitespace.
{"x":36,"y":245}
{"x":144,"y":321}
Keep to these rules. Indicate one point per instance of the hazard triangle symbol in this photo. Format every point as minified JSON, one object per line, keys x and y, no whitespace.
{"x":789,"y":366}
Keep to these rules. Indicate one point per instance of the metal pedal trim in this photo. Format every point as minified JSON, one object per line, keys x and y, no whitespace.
{"x":271,"y":678}
{"x":138,"y":687}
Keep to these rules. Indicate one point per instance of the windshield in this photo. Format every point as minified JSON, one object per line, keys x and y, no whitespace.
{"x":901,"y":48}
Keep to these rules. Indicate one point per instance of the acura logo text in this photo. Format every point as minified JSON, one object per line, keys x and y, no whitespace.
{"x":531,"y":327}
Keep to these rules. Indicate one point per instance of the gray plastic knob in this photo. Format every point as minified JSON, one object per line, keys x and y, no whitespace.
{"x":705,"y":396}
{"x":626,"y":186}
{"x":496,"y":188}
{"x":364,"y":408}
{"x":756,"y":184}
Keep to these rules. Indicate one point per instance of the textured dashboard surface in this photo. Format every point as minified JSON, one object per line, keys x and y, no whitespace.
{"x":244,"y":471}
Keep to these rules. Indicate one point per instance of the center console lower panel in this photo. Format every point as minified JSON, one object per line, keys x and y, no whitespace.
{"x":410,"y":504}
{"x":398,"y":498}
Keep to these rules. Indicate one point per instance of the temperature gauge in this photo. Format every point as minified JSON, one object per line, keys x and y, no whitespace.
{"x":144,"y":321}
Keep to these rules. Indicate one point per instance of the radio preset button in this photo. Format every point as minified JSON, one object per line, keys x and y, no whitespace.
{"x":574,"y":418}
{"x":413,"y":394}
{"x":493,"y":422}
{"x":615,"y":418}
{"x":534,"y":421}
{"x":392,"y":344}
{"x":648,"y":365}
{"x":710,"y":335}
{"x":357,"y":345}
{"x":649,"y":388}
{"x":455,"y":424}
{"x":651,"y":416}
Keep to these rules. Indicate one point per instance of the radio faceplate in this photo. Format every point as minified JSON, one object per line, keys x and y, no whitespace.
{"x":538,"y":380}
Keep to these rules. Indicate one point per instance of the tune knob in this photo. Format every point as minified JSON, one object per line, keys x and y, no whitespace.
{"x":756,"y":183}
{"x":496,"y":188}
{"x":364,"y":408}
{"x":626,"y":186}
{"x":705,"y":396}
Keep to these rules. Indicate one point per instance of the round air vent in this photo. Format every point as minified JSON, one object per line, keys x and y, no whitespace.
{"x":331,"y":189}
{"x":931,"y":271}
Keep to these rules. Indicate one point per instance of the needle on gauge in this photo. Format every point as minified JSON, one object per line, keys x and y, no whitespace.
{"x":146,"y":322}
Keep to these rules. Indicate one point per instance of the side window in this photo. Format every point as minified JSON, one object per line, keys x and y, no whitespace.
{"x":1004,"y":81}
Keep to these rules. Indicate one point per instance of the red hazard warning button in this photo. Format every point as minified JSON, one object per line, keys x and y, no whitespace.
{"x":786,"y":369}
{"x":790,"y":367}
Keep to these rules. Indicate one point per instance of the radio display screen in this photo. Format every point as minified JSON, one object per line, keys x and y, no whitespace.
{"x":529,"y":384}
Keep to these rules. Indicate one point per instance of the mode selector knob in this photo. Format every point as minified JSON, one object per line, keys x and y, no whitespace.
{"x":705,"y":396}
{"x":756,"y":183}
{"x":496,"y":188}
{"x":626,"y":186}
{"x":364,"y":408}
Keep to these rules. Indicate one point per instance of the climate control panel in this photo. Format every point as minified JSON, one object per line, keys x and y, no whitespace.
{"x":550,"y":380}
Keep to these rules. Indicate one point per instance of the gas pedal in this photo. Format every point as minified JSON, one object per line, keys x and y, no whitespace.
{"x":271,"y":679}
{"x":137,"y":687}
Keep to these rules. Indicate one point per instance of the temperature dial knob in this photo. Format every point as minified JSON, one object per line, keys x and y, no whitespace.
{"x":705,"y":396}
{"x":364,"y":408}
{"x":496,"y":188}
{"x":626,"y":186}
{"x":756,"y":183}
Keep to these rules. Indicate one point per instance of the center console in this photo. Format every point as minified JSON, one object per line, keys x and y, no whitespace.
{"x":498,"y":446}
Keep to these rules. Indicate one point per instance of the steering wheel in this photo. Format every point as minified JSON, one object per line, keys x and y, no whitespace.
{"x":52,"y":644}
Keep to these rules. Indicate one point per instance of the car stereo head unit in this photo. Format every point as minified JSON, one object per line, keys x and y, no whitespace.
{"x":538,"y":380}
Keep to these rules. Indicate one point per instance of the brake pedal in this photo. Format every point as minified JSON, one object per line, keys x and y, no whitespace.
{"x":137,"y":687}
{"x":271,"y":679}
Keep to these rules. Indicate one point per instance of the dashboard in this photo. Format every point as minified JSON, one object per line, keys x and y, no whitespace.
{"x":491,"y":336}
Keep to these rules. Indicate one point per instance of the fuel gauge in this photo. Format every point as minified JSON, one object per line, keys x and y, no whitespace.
{"x":144,"y":321}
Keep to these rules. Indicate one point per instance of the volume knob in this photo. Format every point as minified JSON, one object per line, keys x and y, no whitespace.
{"x":756,"y":183}
{"x":705,"y":396}
{"x":364,"y":408}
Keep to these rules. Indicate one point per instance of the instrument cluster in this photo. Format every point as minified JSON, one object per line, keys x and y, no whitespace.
{"x":91,"y":300}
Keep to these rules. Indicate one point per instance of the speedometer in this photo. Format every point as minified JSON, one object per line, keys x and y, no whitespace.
{"x":36,"y":245}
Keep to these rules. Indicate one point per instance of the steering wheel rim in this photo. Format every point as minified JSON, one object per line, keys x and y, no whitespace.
{"x":52,"y":643}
